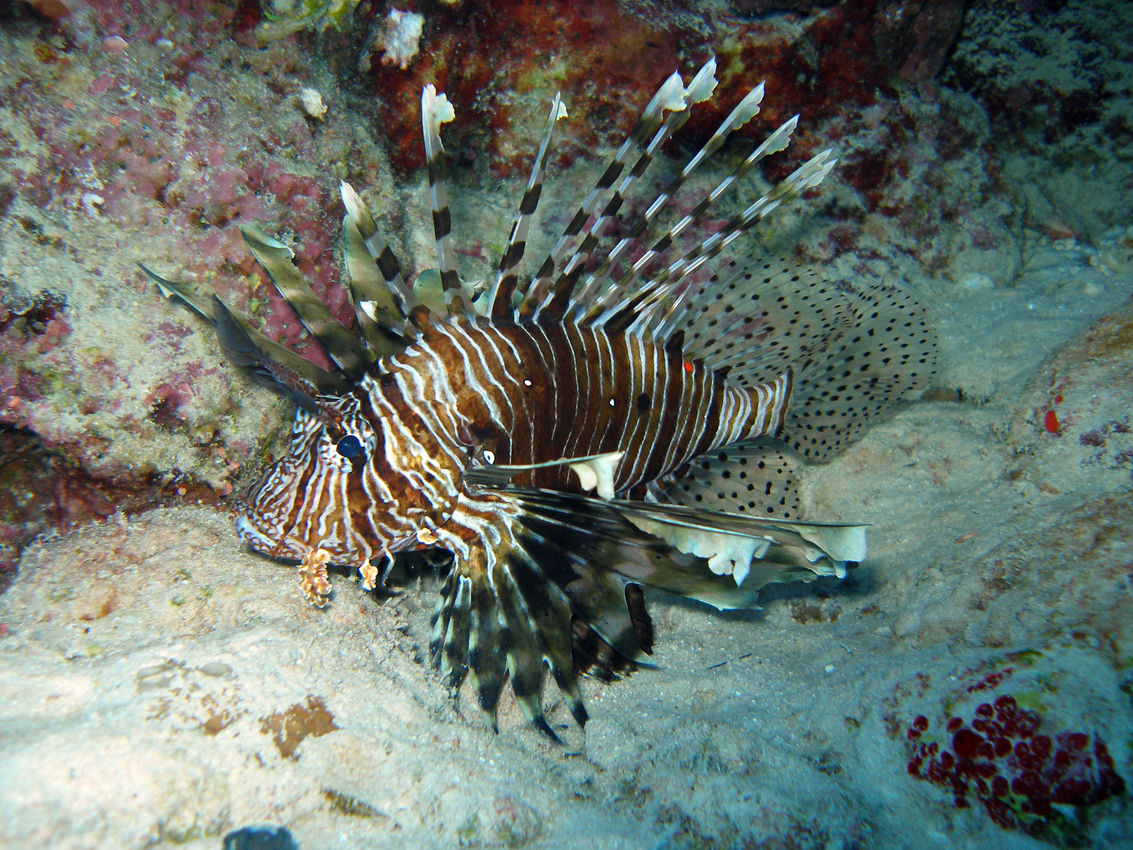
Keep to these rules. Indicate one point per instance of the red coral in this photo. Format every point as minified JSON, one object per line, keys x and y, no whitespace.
{"x":1016,"y":774}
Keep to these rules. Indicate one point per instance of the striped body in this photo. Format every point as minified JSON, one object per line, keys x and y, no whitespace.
{"x":529,"y":394}
{"x":472,"y":393}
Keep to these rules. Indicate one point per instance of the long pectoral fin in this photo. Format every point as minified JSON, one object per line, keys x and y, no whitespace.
{"x":541,"y":589}
{"x":753,"y":550}
{"x":499,"y":616}
{"x":690,"y":552}
{"x":556,"y":578}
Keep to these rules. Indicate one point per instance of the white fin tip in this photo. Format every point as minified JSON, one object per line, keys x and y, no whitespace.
{"x":355,"y":209}
{"x":598,"y":472}
{"x":747,"y":108}
{"x":436,"y":108}
{"x":703,"y":84}
{"x":670,"y":96}
{"x":559,"y":106}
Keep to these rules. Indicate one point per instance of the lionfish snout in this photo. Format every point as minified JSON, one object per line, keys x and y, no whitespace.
{"x":312,"y":499}
{"x":273,"y":508}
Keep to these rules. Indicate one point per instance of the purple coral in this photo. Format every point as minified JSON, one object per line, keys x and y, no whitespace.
{"x":1004,"y":759}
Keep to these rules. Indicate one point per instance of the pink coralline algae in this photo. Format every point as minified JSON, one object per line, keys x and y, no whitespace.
{"x":1008,"y":760}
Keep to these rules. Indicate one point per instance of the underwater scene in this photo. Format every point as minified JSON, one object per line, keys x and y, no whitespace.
{"x":611,"y":424}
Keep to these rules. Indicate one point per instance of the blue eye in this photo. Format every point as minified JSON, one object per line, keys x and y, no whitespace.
{"x":349,"y":446}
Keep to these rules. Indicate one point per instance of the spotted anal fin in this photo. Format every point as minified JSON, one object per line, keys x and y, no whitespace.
{"x":748,"y":478}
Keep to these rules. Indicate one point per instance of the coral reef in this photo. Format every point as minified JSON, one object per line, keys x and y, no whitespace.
{"x":501,"y":59}
{"x":398,"y":38}
{"x":282,"y":18}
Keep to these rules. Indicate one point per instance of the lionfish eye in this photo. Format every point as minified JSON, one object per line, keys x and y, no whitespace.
{"x":349,"y":446}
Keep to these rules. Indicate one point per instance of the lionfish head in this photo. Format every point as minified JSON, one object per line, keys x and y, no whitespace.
{"x":314,"y":497}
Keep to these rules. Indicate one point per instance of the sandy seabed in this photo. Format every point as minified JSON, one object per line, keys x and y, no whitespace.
{"x":159,"y":686}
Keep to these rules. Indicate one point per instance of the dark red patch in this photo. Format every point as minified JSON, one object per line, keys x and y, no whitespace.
{"x":1016,"y":774}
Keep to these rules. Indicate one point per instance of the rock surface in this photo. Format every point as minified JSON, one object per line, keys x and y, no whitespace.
{"x":159,"y":686}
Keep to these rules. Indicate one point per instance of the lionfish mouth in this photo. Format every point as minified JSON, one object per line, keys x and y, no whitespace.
{"x":259,"y":541}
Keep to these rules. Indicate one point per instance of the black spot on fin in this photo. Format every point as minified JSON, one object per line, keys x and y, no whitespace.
{"x":748,"y":478}
{"x":856,"y":350}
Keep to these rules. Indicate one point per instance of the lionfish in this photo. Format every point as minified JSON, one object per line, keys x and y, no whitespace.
{"x":621,"y":419}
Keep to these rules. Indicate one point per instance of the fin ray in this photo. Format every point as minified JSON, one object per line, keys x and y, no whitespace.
{"x":669,"y":96}
{"x":435,"y":111}
{"x":377,"y":290}
{"x":562,"y":564}
{"x":339,"y":343}
{"x":269,"y":363}
{"x":503,"y":291}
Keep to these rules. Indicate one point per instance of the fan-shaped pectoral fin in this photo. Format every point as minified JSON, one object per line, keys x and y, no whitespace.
{"x":500,"y":617}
